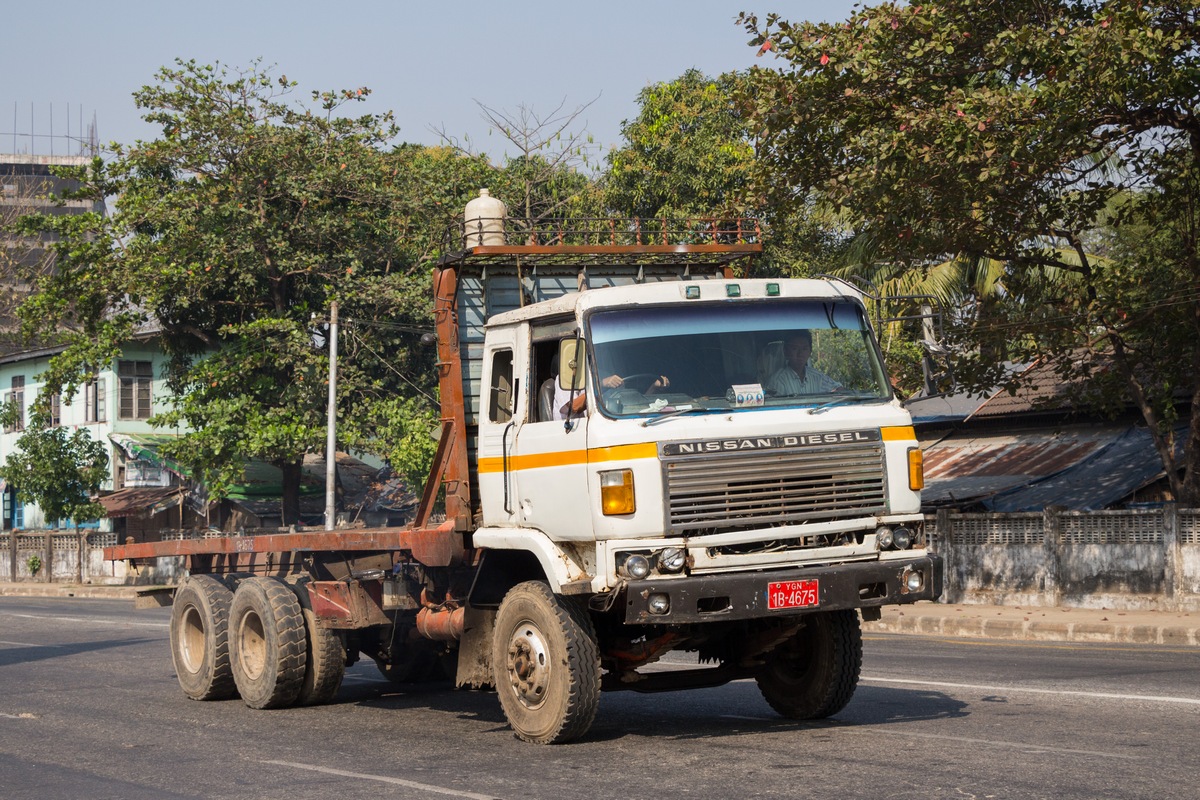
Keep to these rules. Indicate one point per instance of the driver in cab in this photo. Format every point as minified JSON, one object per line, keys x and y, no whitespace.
{"x":796,"y":376}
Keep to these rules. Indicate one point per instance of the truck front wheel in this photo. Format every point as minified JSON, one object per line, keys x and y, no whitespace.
{"x":814,"y":674}
{"x":200,"y":638}
{"x":267,"y":642}
{"x":546,"y":665}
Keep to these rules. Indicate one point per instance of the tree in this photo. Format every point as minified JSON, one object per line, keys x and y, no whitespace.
{"x":688,"y":152}
{"x":1016,"y":132}
{"x":689,"y":155}
{"x":232,"y":233}
{"x":57,"y":470}
{"x":543,"y":179}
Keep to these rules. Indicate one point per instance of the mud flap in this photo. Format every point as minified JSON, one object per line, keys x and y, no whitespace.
{"x":475,"y":649}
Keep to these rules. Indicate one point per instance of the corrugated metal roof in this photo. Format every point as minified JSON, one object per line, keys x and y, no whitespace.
{"x":1080,"y":467}
{"x":1041,"y":389}
{"x":140,"y":502}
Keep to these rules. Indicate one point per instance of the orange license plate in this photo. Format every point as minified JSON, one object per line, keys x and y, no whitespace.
{"x":793,"y":594}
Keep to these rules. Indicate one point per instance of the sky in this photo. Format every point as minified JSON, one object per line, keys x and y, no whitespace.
{"x":65,"y":61}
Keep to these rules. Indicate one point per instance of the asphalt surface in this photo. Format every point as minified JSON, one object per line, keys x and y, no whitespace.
{"x":91,"y":709}
{"x":1028,"y":623}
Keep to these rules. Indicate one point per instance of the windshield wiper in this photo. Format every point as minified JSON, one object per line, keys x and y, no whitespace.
{"x":842,"y":400}
{"x":674,"y":412}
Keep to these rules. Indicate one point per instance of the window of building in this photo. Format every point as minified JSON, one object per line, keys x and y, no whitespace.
{"x":135,"y":377}
{"x":93,"y":400}
{"x":16,"y":396}
{"x":55,"y":410}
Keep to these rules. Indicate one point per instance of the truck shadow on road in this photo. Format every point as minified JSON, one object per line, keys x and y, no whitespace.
{"x":736,"y":709}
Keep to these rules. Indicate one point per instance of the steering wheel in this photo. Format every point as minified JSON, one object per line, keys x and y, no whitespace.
{"x":648,"y":377}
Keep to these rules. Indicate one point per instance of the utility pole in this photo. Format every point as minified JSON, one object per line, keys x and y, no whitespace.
{"x":331,"y":424}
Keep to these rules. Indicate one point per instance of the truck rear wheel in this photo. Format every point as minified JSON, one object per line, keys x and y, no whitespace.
{"x":200,"y":638}
{"x":546,"y":665}
{"x":325,"y":659}
{"x":814,"y":674}
{"x":267,"y":643}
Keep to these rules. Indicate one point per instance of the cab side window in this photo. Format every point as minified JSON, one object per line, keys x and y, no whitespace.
{"x":502,"y":393}
{"x":545,"y":363}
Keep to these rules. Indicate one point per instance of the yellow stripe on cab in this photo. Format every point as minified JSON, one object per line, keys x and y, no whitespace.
{"x":565,"y":458}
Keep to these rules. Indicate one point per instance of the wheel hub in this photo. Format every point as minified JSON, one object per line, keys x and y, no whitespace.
{"x":192,"y":639}
{"x":528,"y":665}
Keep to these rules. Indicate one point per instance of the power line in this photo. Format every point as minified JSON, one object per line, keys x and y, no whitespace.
{"x":387,"y":364}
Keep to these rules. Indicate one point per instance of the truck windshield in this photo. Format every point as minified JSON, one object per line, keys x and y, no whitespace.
{"x":741,"y":355}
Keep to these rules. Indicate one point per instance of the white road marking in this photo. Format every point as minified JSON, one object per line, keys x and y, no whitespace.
{"x":26,"y":644}
{"x":89,"y":620}
{"x":1024,"y":747}
{"x":424,"y":787}
{"x":1191,"y":701}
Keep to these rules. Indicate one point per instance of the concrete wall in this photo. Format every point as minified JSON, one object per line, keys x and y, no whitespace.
{"x":59,"y":553}
{"x":1112,"y":559}
{"x":1104,"y":559}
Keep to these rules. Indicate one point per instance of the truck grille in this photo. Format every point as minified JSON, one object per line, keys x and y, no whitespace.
{"x":731,"y":491}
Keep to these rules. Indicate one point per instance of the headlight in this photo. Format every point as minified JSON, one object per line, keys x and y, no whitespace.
{"x":636,"y":566}
{"x":658,"y":604}
{"x":883,"y":538}
{"x":672,"y":560}
{"x":902,"y":538}
{"x":913,"y":581}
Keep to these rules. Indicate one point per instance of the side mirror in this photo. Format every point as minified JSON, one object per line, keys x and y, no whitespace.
{"x":571,"y":366}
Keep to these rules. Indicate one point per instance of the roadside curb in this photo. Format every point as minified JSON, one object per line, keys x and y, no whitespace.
{"x":69,"y":590}
{"x":1036,"y":630}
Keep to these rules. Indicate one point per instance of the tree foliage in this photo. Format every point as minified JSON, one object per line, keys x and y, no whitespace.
{"x":231,"y":234}
{"x":59,"y":470}
{"x":688,"y":152}
{"x":1028,"y":133}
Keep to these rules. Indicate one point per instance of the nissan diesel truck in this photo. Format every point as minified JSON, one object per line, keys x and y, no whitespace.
{"x":635,"y":460}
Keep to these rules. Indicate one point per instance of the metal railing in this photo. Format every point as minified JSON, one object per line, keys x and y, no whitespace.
{"x":602,"y":232}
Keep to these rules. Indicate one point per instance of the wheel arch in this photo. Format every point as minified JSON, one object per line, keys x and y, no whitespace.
{"x":516,"y":555}
{"x":499,"y":571}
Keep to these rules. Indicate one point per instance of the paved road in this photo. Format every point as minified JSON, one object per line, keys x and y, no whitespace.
{"x":89,"y":708}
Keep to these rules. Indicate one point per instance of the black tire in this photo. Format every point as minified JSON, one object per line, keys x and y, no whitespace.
{"x":325,"y":657}
{"x":407,"y":657}
{"x":546,"y":665}
{"x":417,"y":663}
{"x":200,"y":638}
{"x":814,"y":674}
{"x":267,"y":643}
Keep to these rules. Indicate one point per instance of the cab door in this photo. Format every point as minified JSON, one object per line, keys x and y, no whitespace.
{"x":501,"y":410}
{"x":550,"y":454}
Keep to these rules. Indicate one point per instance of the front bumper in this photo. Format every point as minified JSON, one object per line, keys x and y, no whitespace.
{"x":735,"y":596}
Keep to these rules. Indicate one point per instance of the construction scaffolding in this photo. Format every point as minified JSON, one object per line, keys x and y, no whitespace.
{"x":39,"y":135}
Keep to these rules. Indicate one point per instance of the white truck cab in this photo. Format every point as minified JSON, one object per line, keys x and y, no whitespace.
{"x":693,"y":456}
